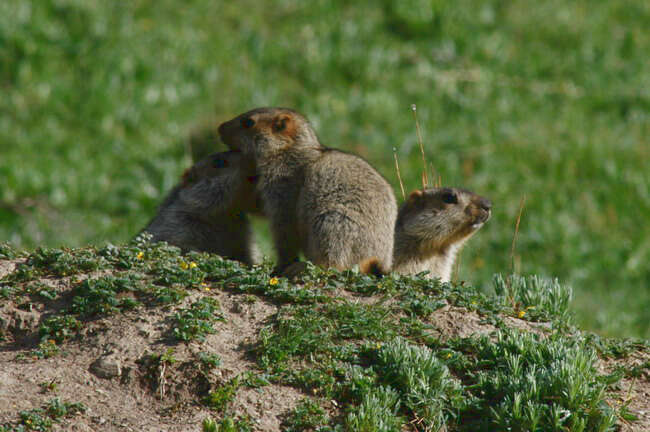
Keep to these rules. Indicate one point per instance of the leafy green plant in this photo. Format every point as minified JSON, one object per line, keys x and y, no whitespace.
{"x":424,"y":383}
{"x":307,"y":415}
{"x":534,"y":297}
{"x":219,"y":398}
{"x":7,"y":251}
{"x":42,"y":420}
{"x":64,"y":262}
{"x":227,"y":424}
{"x":525,"y":383}
{"x":196,"y":321}
{"x":105,"y":295}
{"x":377,"y":412}
{"x":46,"y":349}
{"x":209,"y":360}
{"x":59,"y":328}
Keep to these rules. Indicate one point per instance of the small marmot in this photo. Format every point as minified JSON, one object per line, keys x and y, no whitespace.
{"x":332,"y":205}
{"x":432,"y":226}
{"x":207,"y":210}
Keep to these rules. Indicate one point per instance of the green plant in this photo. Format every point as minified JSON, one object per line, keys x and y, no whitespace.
{"x":219,"y":398}
{"x":227,"y":424}
{"x":59,"y":328}
{"x":307,"y":415}
{"x":524,"y":382}
{"x":64,"y":262}
{"x":168,"y":294}
{"x":424,"y":383}
{"x":42,"y":420}
{"x":377,"y":412}
{"x":209,"y":360}
{"x":56,"y":408}
{"x":49,"y":386}
{"x":46,"y":349}
{"x":196,"y":321}
{"x":99,"y":296}
{"x":534,"y":297}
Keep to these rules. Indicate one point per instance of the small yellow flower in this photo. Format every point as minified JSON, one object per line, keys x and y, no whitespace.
{"x":205,"y":286}
{"x":448,"y":355}
{"x":192,"y":265}
{"x":274,"y":281}
{"x":521,"y":313}
{"x":140,"y":255}
{"x":378,"y":346}
{"x":184,"y":265}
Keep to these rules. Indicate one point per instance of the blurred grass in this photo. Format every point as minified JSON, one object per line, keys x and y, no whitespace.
{"x":545,"y":99}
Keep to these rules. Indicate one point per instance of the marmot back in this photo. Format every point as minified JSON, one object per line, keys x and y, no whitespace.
{"x":332,"y":205}
{"x":207,"y":210}
{"x":346,"y":212}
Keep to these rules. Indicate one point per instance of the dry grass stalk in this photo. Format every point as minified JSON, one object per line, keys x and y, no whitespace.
{"x":399,"y":176}
{"x":425,"y":177}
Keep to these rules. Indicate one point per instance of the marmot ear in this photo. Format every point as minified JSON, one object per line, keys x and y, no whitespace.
{"x":280,"y":123}
{"x":416,"y":195}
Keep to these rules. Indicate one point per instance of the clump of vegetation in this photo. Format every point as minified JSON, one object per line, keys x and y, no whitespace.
{"x":42,"y":419}
{"x":307,"y":415}
{"x":59,"y":328}
{"x":195,"y":322}
{"x":523,"y":382}
{"x":64,"y":262}
{"x":425,"y":386}
{"x":219,"y":398}
{"x":46,"y":349}
{"x":101,"y":296}
{"x":7,"y":251}
{"x":227,"y":424}
{"x":539,"y":298}
{"x":376,"y":412}
{"x":209,"y":361}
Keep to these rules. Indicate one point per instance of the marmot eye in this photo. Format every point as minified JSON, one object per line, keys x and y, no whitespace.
{"x":280,"y":125}
{"x":247,"y":122}
{"x":219,"y":163}
{"x":449,"y":198}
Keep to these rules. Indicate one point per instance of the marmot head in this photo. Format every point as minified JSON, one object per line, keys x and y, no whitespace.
{"x":211,"y":166}
{"x":218,"y":172}
{"x":266,"y":131}
{"x":441,"y":217}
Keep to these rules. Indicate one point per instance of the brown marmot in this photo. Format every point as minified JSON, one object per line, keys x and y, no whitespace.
{"x":332,"y":205}
{"x":432,"y":226}
{"x":207,"y":210}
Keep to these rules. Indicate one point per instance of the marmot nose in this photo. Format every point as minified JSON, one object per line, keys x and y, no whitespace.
{"x":485,"y":204}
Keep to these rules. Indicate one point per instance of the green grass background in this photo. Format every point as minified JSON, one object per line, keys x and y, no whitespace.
{"x":550,"y":100}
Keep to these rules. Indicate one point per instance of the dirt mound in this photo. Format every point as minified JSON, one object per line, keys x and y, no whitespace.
{"x":128,"y":340}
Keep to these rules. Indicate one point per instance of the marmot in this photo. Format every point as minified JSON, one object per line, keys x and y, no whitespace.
{"x":432,"y":225}
{"x":332,"y":205}
{"x":207,"y":210}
